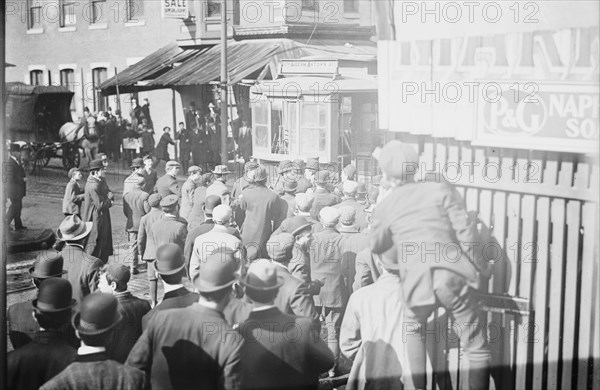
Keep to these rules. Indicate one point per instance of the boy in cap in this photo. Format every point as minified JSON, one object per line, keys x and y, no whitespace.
{"x":349,"y":189}
{"x":15,"y":183}
{"x":145,"y":244}
{"x":36,"y":363}
{"x":432,"y":214}
{"x":96,"y":209}
{"x":196,"y":215}
{"x":193,"y":347}
{"x":21,"y":325}
{"x":113,"y":280}
{"x":170,"y":266}
{"x":170,"y":229}
{"x":326,"y":265}
{"x":82,"y":269}
{"x":149,"y":173}
{"x":273,"y":358}
{"x":374,"y":317}
{"x":218,"y":238}
{"x":322,"y":197}
{"x":135,"y":206}
{"x":294,"y":295}
{"x":73,"y":194}
{"x":187,"y":191}
{"x":168,"y":184}
{"x":92,"y":368}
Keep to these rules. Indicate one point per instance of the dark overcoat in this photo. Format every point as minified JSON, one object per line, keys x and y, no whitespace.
{"x":293,"y":297}
{"x":175,"y":299}
{"x":96,"y":209}
{"x":326,"y":265}
{"x":14,"y":179}
{"x":162,"y":149}
{"x":135,"y":206}
{"x":129,"y":330}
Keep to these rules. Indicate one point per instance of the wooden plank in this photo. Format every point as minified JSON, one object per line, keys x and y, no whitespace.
{"x":571,"y":272}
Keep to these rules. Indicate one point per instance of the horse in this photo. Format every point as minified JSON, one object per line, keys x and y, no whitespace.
{"x":89,"y":142}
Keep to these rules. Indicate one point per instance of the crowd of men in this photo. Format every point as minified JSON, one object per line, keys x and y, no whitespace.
{"x":266,"y":284}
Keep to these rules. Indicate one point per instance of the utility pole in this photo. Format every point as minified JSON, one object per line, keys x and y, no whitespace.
{"x":224,"y":117}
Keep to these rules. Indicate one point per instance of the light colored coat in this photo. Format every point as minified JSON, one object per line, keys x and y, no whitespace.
{"x":218,"y":237}
{"x":371,"y":336}
{"x":187,"y":198}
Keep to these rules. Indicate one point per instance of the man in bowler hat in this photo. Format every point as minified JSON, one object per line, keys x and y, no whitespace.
{"x":280,"y":351}
{"x":170,"y":267}
{"x":194,"y":347}
{"x":21,"y":325}
{"x":15,"y":186}
{"x":92,"y":368}
{"x":36,"y":363}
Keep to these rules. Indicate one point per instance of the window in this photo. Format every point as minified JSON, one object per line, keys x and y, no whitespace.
{"x":309,"y":4}
{"x":67,"y":13}
{"x":98,"y":77}
{"x":97,"y":11}
{"x":34,"y":14}
{"x":280,"y":139}
{"x":36,"y":77}
{"x":260,"y":126}
{"x":134,"y":9}
{"x":292,"y":125}
{"x":213,"y":8}
{"x":350,"y":6}
{"x":67,"y":79}
{"x":313,"y":137}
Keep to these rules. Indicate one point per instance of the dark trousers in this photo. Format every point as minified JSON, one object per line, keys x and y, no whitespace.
{"x":14,"y":212}
{"x":132,"y":241}
{"x":472,"y":332}
{"x":184,"y":158}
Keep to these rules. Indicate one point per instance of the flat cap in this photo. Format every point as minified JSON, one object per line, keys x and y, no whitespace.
{"x":329,"y":216}
{"x":350,"y":187}
{"x":222,"y":213}
{"x":304,"y":201}
{"x":398,"y":159}
{"x":172,"y":163}
{"x":279,"y":247}
{"x":154,"y":200}
{"x":169,"y":201}
{"x":194,"y":169}
{"x":347,"y":215}
{"x":323,"y":177}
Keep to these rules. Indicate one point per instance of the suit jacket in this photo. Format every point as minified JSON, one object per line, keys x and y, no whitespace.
{"x":135,"y":206}
{"x":73,"y":198}
{"x":14,"y":179}
{"x":372,"y":334}
{"x":218,"y":237}
{"x":168,"y":185}
{"x":196,"y":214}
{"x":129,"y":330}
{"x":150,"y":179}
{"x":175,"y":299}
{"x":83,"y":271}
{"x":187,"y":348}
{"x":39,"y":361}
{"x":352,"y":243}
{"x":146,"y":245}
{"x":293,"y":297}
{"x":96,"y":371}
{"x":236,"y":312}
{"x":262,"y":216}
{"x":299,"y":265}
{"x":432,"y":215}
{"x":168,"y":230}
{"x":282,"y":351}
{"x":203,"y":228}
{"x":187,"y":198}
{"x":96,"y":209}
{"x":326,"y":264}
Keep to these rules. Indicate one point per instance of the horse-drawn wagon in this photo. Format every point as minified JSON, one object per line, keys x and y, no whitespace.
{"x":39,"y":119}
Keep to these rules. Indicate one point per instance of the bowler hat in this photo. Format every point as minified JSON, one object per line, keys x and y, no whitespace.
{"x":262,"y":276}
{"x":96,"y":164}
{"x":217,"y":272}
{"x":257,"y":175}
{"x":279,"y":247}
{"x":154,"y":200}
{"x":98,"y":314}
{"x":210,"y":203}
{"x":169,"y":259}
{"x":48,"y":265}
{"x":72,"y":228}
{"x":137,"y":163}
{"x":290,"y":186}
{"x":55,"y":295}
{"x":221,"y":170}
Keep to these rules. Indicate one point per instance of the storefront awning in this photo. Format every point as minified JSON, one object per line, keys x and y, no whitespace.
{"x":135,"y":77}
{"x":173,"y":66}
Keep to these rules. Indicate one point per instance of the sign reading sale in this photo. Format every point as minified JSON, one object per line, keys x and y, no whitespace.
{"x":176,"y":9}
{"x":555,"y":116}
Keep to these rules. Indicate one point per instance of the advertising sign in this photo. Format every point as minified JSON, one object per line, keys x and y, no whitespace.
{"x":175,"y":9}
{"x":549,"y":116}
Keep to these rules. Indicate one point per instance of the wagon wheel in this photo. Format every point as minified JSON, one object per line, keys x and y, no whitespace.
{"x":71,"y":158}
{"x":43,"y":157}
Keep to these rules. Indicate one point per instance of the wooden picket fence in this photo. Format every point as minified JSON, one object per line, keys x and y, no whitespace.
{"x":541,"y":208}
